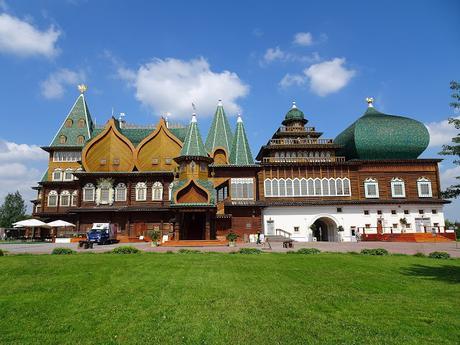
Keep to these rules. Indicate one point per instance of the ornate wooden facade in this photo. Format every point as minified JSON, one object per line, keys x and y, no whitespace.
{"x":165,"y":178}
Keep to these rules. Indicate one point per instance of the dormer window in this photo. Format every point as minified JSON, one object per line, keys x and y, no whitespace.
{"x":57,"y":175}
{"x":62,"y":139}
{"x":397,"y":188}
{"x":68,"y":175}
{"x":116,"y":161}
{"x":424,"y":188}
{"x":81,"y":123}
{"x":68,"y":123}
{"x":80,"y":140}
{"x":371,"y":188}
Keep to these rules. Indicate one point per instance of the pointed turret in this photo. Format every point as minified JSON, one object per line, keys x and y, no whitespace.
{"x":240,"y":153}
{"x":193,"y":144}
{"x":77,"y":126}
{"x":220,"y":134}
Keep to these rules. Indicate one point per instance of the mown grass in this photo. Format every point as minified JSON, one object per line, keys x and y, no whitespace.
{"x":228,"y":299}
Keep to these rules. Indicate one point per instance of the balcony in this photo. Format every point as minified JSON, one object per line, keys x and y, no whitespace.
{"x":300,"y":141}
{"x":290,"y":129}
{"x":303,"y":159}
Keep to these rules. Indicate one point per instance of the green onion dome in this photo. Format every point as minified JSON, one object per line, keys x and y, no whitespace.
{"x":380,"y":136}
{"x":294,"y":115}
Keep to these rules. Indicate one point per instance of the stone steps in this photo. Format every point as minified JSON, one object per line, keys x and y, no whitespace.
{"x":194,"y":243}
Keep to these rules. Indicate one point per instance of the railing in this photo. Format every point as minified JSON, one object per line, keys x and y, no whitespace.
{"x":281,"y":232}
{"x":303,"y":159}
{"x":399,"y":230}
{"x":299,"y":141}
{"x":296,"y":129}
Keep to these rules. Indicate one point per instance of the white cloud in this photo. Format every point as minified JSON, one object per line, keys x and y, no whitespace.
{"x":329,"y":76}
{"x":171,"y":85}
{"x":21,"y":167}
{"x":21,"y":38}
{"x":292,"y":79}
{"x":277,"y":54}
{"x":448,"y":177}
{"x":303,"y":39}
{"x":54,"y":85}
{"x":441,"y":132}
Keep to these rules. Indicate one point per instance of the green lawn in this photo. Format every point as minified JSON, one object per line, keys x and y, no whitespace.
{"x":228,"y":299}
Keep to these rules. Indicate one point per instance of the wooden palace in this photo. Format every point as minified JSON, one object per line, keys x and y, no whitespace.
{"x":163,"y":177}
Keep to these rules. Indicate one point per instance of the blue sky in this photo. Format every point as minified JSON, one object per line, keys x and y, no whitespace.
{"x":148,"y":58}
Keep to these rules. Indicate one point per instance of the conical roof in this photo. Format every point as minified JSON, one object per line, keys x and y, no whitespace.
{"x":78,"y":123}
{"x":220,"y":133}
{"x":193,"y":144}
{"x":376,"y":135}
{"x":240,"y":154}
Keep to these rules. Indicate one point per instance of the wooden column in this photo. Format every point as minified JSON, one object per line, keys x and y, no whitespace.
{"x":176,"y":229}
{"x":207,"y":234}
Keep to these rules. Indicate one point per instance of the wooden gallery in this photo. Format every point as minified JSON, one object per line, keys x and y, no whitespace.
{"x":368,"y":180}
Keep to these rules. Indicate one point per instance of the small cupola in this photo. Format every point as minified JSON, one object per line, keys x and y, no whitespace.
{"x":294,"y":117}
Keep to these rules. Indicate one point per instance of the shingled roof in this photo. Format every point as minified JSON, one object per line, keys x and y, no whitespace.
{"x":220,"y":133}
{"x":241,"y":152}
{"x":193,"y":144}
{"x":73,"y":127}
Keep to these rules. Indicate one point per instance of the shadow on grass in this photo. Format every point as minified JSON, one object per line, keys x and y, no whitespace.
{"x":447,"y":273}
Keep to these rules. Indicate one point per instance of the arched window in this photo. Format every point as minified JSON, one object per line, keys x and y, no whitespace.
{"x":68,"y":174}
{"x":68,"y":123}
{"x":52,"y":198}
{"x":346,"y":186}
{"x":157,"y":191}
{"x":318,"y":187}
{"x":424,"y":188}
{"x":339,"y":186}
{"x":371,"y":188}
{"x":303,"y":187}
{"x":170,"y":190}
{"x":120,"y":192}
{"x":80,"y":140}
{"x":81,"y":123}
{"x":289,"y":187}
{"x":296,"y":185}
{"x":332,"y":190}
{"x":311,"y":187}
{"x":62,"y":139}
{"x":65,"y":199}
{"x":57,"y":175}
{"x":141,"y":191}
{"x":397,"y":188}
{"x":268,"y":187}
{"x":325,"y":185}
{"x":73,"y":199}
{"x":275,"y":188}
{"x":88,"y":192}
{"x":282,"y":184}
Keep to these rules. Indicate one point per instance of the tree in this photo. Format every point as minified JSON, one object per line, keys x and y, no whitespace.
{"x":454,"y":148}
{"x":12,"y":210}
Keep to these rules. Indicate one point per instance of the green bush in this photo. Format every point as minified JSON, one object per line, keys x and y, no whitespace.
{"x":125,"y":250}
{"x":2,"y":253}
{"x":375,"y":251}
{"x":420,"y":255}
{"x":249,"y":251}
{"x":439,"y":255}
{"x":189,"y":251}
{"x":308,"y":251}
{"x":63,"y":251}
{"x":353,"y":253}
{"x":291,"y":252}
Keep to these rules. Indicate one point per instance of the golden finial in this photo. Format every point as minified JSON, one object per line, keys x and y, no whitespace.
{"x":370,"y":101}
{"x":82,"y":88}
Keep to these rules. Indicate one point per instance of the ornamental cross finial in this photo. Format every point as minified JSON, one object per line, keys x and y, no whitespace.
{"x":293,"y":105}
{"x":370,"y":101}
{"x":82,"y":88}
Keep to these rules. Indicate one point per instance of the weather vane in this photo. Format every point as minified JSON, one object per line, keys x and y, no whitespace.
{"x":82,"y":88}
{"x":370,"y":101}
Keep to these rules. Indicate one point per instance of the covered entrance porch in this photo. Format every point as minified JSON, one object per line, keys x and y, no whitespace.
{"x":197,"y":224}
{"x":324,"y":229}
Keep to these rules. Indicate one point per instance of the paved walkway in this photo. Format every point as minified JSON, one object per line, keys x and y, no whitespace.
{"x":392,"y":247}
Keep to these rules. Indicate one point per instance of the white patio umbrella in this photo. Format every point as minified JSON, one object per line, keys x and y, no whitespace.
{"x":60,"y":224}
{"x":31,"y":223}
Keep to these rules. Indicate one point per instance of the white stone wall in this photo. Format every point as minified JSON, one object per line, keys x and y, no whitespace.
{"x":286,"y":218}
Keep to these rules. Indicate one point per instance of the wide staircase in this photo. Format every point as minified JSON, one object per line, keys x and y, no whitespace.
{"x":195,"y":243}
{"x":410,"y":237}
